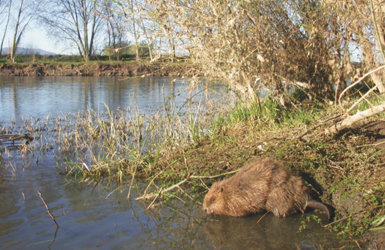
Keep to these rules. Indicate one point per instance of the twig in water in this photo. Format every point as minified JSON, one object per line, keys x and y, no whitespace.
{"x":113,"y":191}
{"x":46,"y":207}
{"x":156,"y":197}
{"x":263,"y":216}
{"x":150,"y":196}
{"x":152,"y":180}
{"x":334,"y":222}
{"x":132,"y":182}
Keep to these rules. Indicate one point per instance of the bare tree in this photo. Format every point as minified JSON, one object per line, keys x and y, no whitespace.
{"x":143,"y":21}
{"x":5,"y":6}
{"x":130,"y":8}
{"x":165,"y":25}
{"x":134,"y":28}
{"x":254,"y":44}
{"x":363,"y":23}
{"x":18,"y":31}
{"x":77,"y":21}
{"x":116,"y":39}
{"x":19,"y":15}
{"x":367,"y":30}
{"x":146,"y":25}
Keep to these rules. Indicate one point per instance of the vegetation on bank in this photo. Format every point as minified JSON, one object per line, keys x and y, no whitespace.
{"x":76,"y":59}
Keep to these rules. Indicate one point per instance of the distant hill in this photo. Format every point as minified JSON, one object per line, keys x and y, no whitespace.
{"x":28,"y":51}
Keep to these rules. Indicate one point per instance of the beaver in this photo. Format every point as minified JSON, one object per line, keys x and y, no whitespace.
{"x":262,"y":185}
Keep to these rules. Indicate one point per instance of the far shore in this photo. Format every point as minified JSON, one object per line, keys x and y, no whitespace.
{"x":100,"y":68}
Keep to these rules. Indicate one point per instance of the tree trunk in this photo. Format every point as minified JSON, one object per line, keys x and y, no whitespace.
{"x":16,"y":38}
{"x":134,"y":31}
{"x":378,"y":78}
{"x":93,"y":31}
{"x":148,"y":41}
{"x":6,"y":27}
{"x":86,"y":51}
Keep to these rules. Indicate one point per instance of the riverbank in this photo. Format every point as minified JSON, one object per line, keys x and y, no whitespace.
{"x":345,"y":171}
{"x":129,"y":69}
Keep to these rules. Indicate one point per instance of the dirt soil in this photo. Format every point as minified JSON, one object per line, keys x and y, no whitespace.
{"x":129,"y":69}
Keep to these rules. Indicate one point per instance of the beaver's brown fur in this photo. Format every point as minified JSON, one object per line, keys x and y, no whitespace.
{"x":260,"y":186}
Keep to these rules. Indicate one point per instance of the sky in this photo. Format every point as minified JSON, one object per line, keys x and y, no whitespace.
{"x":37,"y":38}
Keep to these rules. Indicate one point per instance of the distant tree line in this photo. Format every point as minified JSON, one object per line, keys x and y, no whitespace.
{"x":92,"y":26}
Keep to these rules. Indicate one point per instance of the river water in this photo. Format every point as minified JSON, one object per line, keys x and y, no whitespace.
{"x":100,"y":216}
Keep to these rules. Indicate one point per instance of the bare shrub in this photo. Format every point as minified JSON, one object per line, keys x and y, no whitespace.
{"x":254,"y":44}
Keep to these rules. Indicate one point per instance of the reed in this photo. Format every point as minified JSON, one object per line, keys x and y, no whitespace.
{"x":113,"y":144}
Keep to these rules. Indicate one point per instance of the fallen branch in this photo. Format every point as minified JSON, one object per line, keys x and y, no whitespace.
{"x":322,"y":123}
{"x":360,"y":100}
{"x":46,"y":207}
{"x":177,"y":185}
{"x":156,"y":197}
{"x":132,"y":182}
{"x":152,"y":195}
{"x":213,"y":176}
{"x":16,"y":137}
{"x":350,"y":120}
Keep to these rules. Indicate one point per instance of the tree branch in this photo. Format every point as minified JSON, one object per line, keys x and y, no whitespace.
{"x":350,"y":120}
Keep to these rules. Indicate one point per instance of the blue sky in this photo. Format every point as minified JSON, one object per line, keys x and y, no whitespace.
{"x":37,"y":38}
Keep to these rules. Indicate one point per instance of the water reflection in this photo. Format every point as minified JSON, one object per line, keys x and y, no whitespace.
{"x":39,"y":97}
{"x":270,"y":233}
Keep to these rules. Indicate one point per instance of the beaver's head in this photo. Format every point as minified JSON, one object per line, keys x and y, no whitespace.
{"x":215,"y":202}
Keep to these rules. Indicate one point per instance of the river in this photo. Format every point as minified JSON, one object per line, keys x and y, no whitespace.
{"x":100,"y":216}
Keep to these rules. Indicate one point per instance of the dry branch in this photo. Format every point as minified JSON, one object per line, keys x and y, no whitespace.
{"x":360,"y":115}
{"x":46,"y":207}
{"x":152,"y":195}
{"x":213,"y":176}
{"x":16,"y":137}
{"x":350,"y":120}
{"x":155,"y":195}
{"x":358,"y":81}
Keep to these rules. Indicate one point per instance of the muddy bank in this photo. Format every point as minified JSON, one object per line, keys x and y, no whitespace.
{"x":99,"y":69}
{"x":346,"y":171}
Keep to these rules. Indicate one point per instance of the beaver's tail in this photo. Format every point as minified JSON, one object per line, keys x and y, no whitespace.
{"x":318,"y":205}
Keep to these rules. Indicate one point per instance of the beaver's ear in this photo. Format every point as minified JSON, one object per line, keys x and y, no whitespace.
{"x":222,"y":189}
